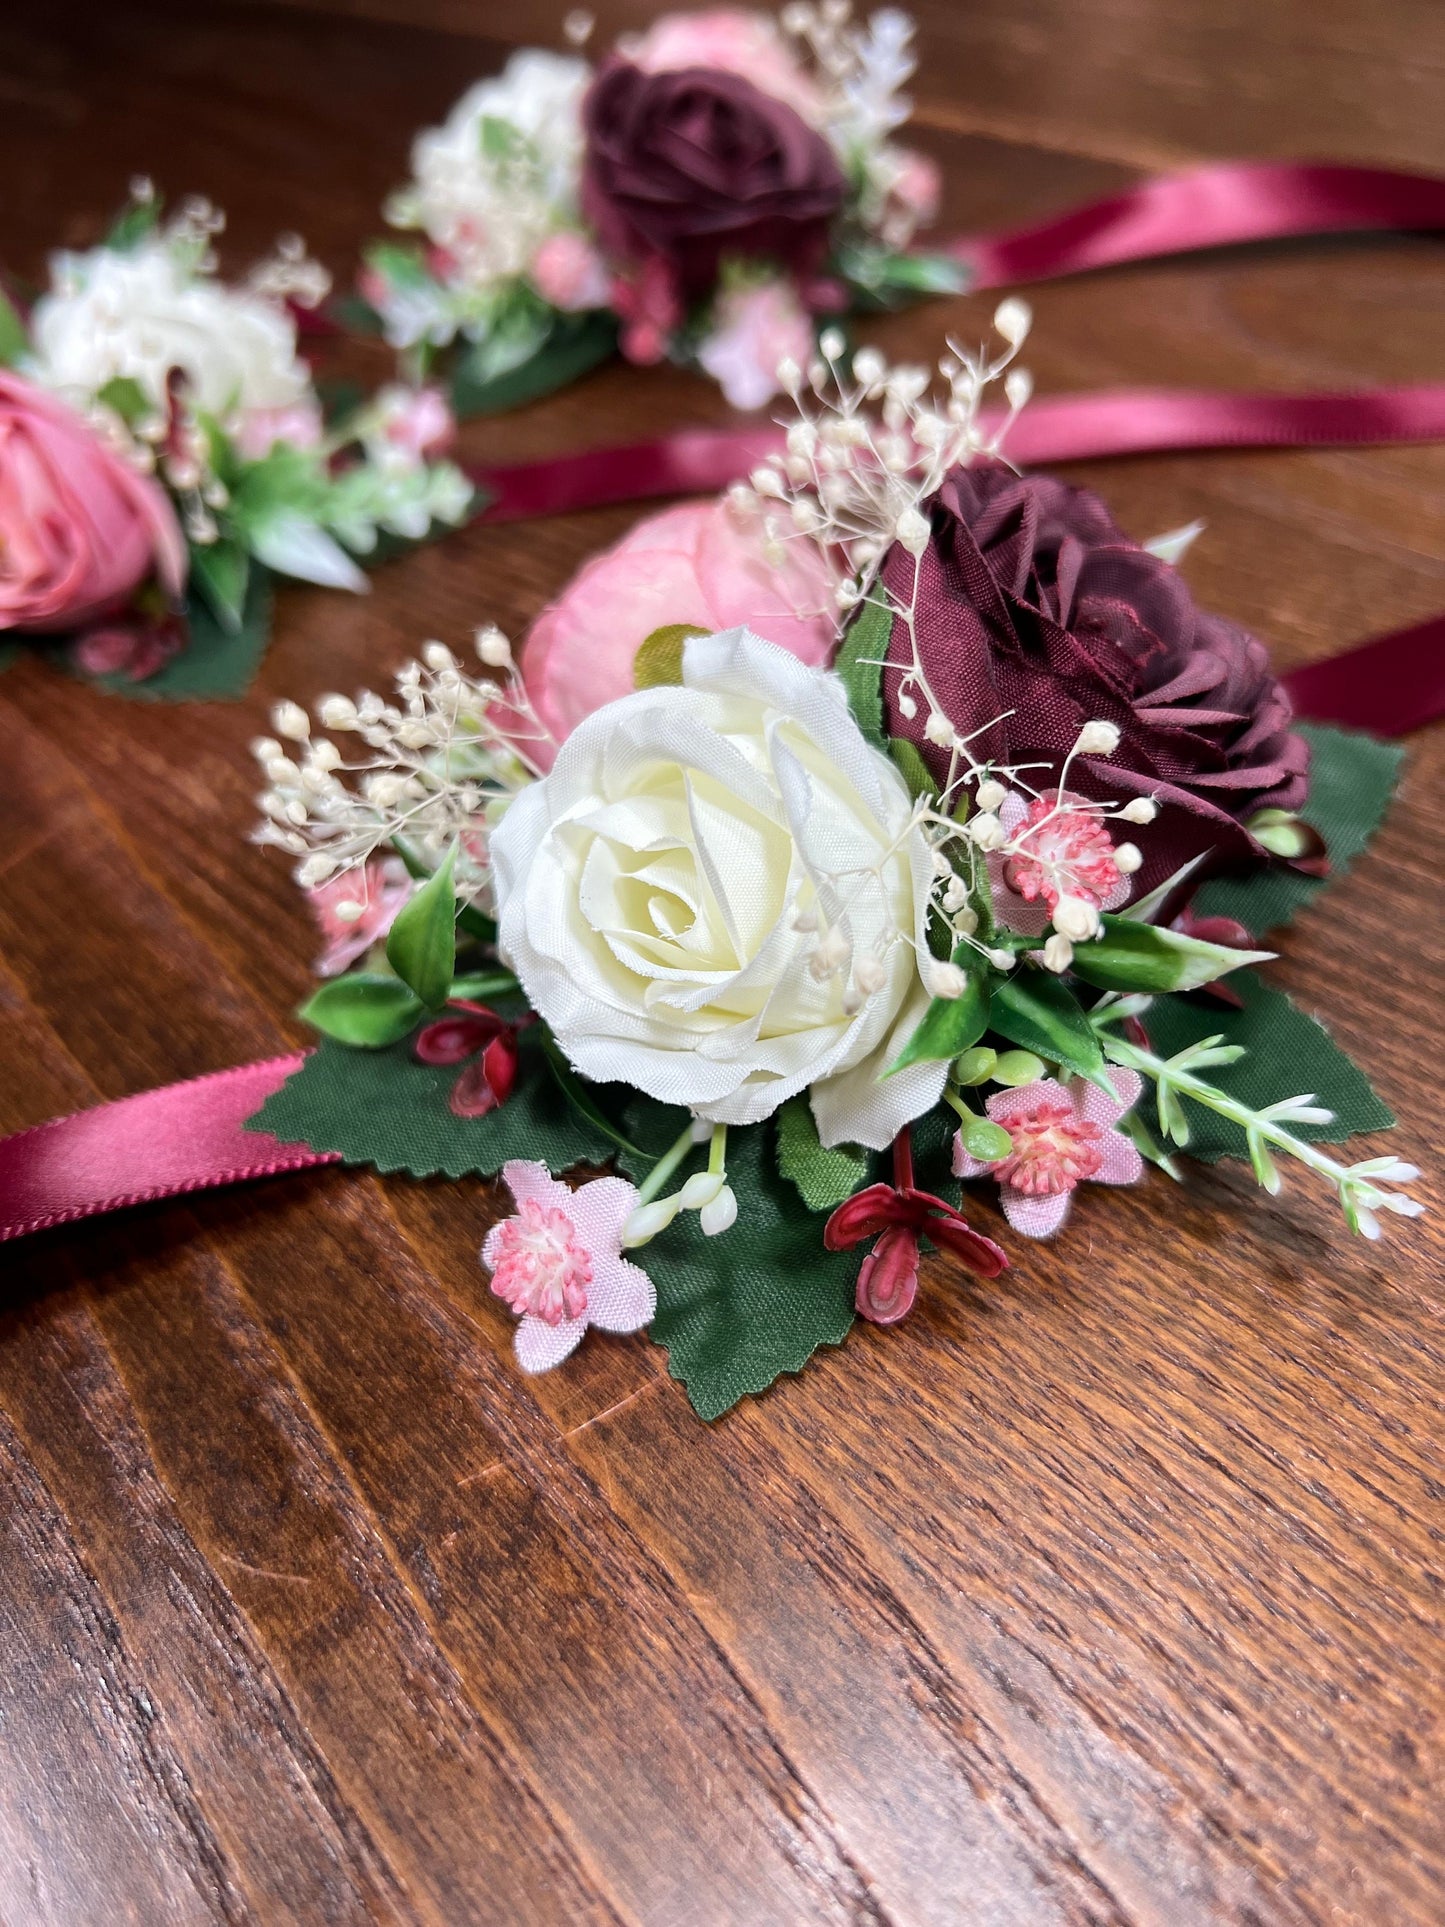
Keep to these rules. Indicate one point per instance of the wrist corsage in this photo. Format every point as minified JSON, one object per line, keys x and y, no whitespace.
{"x":799,"y":948}
{"x":164,"y":451}
{"x":706,"y":190}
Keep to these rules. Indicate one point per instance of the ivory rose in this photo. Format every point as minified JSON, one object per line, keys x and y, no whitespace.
{"x":698,"y":563}
{"x":675,"y":894}
{"x":79,"y":529}
{"x":142,"y":313}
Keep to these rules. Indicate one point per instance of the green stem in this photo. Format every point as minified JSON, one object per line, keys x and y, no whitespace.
{"x":1213,"y":1099}
{"x":717,"y":1157}
{"x":665,"y":1166}
{"x":951,"y":1096}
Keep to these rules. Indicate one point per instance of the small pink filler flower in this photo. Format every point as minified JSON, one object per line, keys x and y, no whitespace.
{"x":558,"y":1263}
{"x":1061,"y":1135}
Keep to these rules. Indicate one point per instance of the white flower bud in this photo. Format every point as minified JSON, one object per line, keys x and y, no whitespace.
{"x":337,"y":712}
{"x":1018,"y":386}
{"x":1013,"y":319}
{"x":1076,"y":918}
{"x":869,"y":367}
{"x":991,"y":795}
{"x":721,"y":1215}
{"x":291,"y":720}
{"x":944,"y":980}
{"x":907,"y":707}
{"x":1001,"y":959}
{"x":325,"y":756}
{"x":986,"y":830}
{"x":790,"y":375}
{"x":870,"y":974}
{"x":352,"y":911}
{"x":1058,"y":953}
{"x":648,"y":1219}
{"x":766,"y":481}
{"x":956,"y":895}
{"x":831,"y":343}
{"x":316,"y":869}
{"x":912,"y":530}
{"x":1098,"y":739}
{"x":965,"y":920}
{"x":493,"y":647}
{"x":437,"y":656}
{"x":938,"y":729}
{"x":701,"y":1188}
{"x":1143,"y":809}
{"x":1128,"y":858}
{"x":941,"y":865}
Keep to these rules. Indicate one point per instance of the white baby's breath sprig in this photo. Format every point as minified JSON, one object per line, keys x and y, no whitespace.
{"x":445,"y":758}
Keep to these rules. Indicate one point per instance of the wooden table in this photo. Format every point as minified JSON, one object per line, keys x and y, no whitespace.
{"x":1108,"y":1592}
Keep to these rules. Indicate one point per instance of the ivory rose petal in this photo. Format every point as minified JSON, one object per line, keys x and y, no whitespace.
{"x":649,"y":891}
{"x":698,"y":563}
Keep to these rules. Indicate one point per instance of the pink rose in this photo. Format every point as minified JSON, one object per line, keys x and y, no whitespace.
{"x":732,"y":42}
{"x":696,"y":563}
{"x":568,"y":272}
{"x":79,"y":530}
{"x":754,"y":330}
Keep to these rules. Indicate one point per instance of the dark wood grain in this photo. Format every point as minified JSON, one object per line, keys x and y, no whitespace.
{"x":1109,"y":1591}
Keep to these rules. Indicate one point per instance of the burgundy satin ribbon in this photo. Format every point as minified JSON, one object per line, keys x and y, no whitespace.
{"x":160,"y":1144}
{"x":1055,"y":428}
{"x":1387,"y":687}
{"x":1206,"y":207}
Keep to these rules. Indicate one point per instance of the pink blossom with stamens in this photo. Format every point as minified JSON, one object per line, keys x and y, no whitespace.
{"x":1060,"y":1135}
{"x":381,"y":887}
{"x":1057,"y":851}
{"x":558,"y":1262}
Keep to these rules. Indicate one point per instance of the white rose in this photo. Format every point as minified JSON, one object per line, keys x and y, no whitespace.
{"x":492,"y":210}
{"x":649,"y":890}
{"x":143,"y":313}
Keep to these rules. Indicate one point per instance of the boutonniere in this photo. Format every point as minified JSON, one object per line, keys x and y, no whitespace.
{"x":822,"y":957}
{"x":708,"y":190}
{"x":164,"y":451}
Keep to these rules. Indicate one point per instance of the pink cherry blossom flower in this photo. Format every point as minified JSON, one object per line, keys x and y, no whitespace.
{"x":649,"y":307}
{"x":355,"y":910}
{"x":731,"y":41}
{"x":298,"y":425}
{"x":696,"y":563}
{"x":755,"y":330}
{"x":1061,"y":1135}
{"x":569,"y":272}
{"x":1060,"y":847}
{"x":415,"y":421}
{"x":558,"y":1263}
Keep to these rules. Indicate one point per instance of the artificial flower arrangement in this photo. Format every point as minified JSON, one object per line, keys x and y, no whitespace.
{"x":799,"y":947}
{"x":706,"y":191}
{"x":164,"y":451}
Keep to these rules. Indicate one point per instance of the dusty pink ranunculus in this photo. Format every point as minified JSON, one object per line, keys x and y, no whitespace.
{"x":568,"y":272}
{"x":754,"y":330}
{"x":734,"y":42}
{"x":696,"y":563}
{"x":79,"y":530}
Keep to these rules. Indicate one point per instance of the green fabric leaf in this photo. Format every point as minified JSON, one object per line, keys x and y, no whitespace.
{"x":1352,"y":779}
{"x":579,"y":1093}
{"x":1144,"y":956}
{"x":824,"y":1178}
{"x":1287,"y":1053}
{"x":220,"y":571}
{"x":216,"y":663}
{"x":859,"y":664}
{"x":14,"y":341}
{"x":1038,"y":1010}
{"x":912,"y":768}
{"x":950,"y":1024}
{"x":422,"y":946}
{"x":382,"y":1107}
{"x":576,"y":345}
{"x":737,"y":1310}
{"x":362,"y":1009}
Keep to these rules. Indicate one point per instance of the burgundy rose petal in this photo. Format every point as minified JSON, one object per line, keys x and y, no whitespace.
{"x":863,"y":1216}
{"x":451,"y":1040}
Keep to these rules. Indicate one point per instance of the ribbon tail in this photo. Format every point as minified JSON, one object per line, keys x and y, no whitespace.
{"x":1387,"y":686}
{"x":159,"y":1144}
{"x":1205,"y":207}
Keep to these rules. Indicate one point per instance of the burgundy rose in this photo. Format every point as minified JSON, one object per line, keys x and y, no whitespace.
{"x":697,"y":164}
{"x":1035,"y":608}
